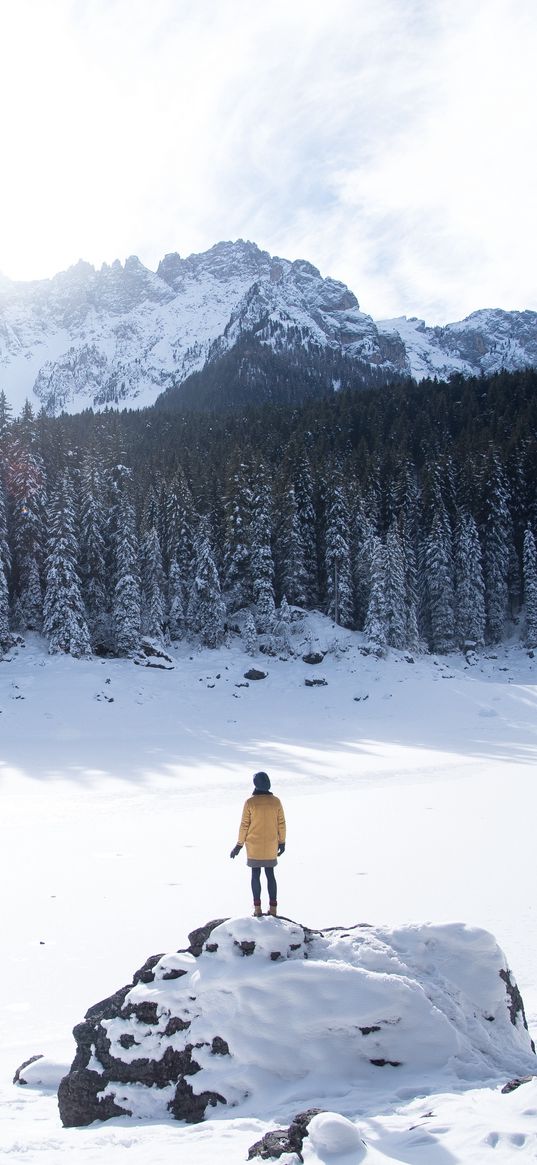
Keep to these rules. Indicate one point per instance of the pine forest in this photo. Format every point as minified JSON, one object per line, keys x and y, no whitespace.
{"x":406,"y":511}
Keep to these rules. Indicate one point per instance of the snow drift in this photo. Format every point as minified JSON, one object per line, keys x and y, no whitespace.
{"x":265,"y":1012}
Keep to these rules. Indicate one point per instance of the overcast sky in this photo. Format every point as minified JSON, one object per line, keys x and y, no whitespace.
{"x":390,"y":142}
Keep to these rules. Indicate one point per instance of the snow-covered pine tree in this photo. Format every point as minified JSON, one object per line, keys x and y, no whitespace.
{"x":520,"y":505}
{"x":180,"y":521}
{"x":514,"y":578}
{"x":175,"y":618}
{"x":4,"y":610}
{"x":290,"y":552}
{"x":5,"y":415}
{"x":5,"y":553}
{"x":530,"y":588}
{"x":249,"y":634}
{"x":423,"y":610}
{"x":305,"y":501}
{"x":375,"y":619}
{"x":470,"y":481}
{"x":469,"y":585}
{"x":282,"y":626}
{"x":150,"y":510}
{"x":126,"y":604}
{"x":395,"y":590}
{"x":412,"y":635}
{"x":25,"y":487}
{"x":206,"y":609}
{"x":153,"y":585}
{"x":117,"y":479}
{"x":261,"y":560}
{"x":64,"y":616}
{"x":363,"y":544}
{"x":5,"y":564}
{"x":373,"y":496}
{"x":236,"y":585}
{"x":496,"y":550}
{"x":93,"y":523}
{"x":337,"y":556}
{"x":28,"y":605}
{"x":407,"y":494}
{"x":438,"y":565}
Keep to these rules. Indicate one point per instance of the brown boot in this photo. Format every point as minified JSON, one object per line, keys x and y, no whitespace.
{"x":273,"y":909}
{"x":258,"y":913}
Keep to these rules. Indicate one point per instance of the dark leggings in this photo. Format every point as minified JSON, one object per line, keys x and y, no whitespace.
{"x":271,"y":883}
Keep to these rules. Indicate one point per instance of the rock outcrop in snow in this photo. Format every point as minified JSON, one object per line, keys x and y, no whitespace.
{"x":260,"y":1013}
{"x":122,"y":334}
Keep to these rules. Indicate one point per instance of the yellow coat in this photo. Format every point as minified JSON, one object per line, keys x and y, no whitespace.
{"x":262,"y":827}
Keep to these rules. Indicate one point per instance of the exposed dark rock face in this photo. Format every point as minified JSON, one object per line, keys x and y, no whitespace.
{"x":516,"y":1003}
{"x":110,"y":1006}
{"x":271,"y":1146}
{"x":145,"y":973}
{"x":219,"y":1047}
{"x":279,"y":1141}
{"x":514,"y":1084}
{"x":92,"y":1089}
{"x":198,"y":938}
{"x":187,"y":1106}
{"x":80,"y":1100}
{"x":255,"y":674}
{"x":81,"y":1094}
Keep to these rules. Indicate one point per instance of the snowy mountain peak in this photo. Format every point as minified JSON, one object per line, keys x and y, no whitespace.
{"x":123,"y":333}
{"x":169,"y":268}
{"x":484,"y":341}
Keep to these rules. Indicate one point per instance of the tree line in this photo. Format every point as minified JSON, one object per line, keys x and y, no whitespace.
{"x":405,"y":511}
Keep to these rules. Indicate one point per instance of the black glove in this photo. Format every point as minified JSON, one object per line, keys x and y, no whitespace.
{"x":236,"y":850}
{"x":281,"y":848}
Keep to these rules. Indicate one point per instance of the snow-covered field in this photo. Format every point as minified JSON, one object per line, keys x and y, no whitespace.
{"x":409,"y":790}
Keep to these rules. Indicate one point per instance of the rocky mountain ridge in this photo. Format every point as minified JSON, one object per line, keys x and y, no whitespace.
{"x":121,"y":335}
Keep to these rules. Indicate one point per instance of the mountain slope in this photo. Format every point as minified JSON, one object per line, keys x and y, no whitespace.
{"x":485,"y":341}
{"x":123,"y":334}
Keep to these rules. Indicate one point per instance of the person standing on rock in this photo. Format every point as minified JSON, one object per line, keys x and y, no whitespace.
{"x":262,"y":830}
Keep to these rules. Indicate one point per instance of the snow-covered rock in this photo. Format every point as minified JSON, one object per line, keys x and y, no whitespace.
{"x":122,"y":334}
{"x":279,"y":1141}
{"x":259,"y":1011}
{"x":152,"y":654}
{"x":40,"y":1072}
{"x":334,"y":1134}
{"x":485,"y":341}
{"x":325,"y":1134}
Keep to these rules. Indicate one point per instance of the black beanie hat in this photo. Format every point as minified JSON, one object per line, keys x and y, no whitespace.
{"x":262,"y":782}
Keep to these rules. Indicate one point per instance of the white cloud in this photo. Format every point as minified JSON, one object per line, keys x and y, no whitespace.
{"x":391,"y":143}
